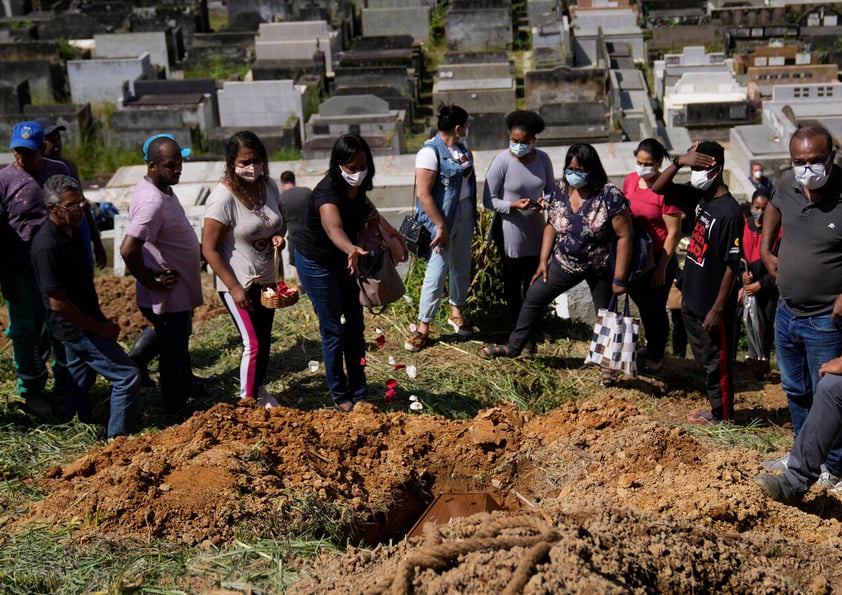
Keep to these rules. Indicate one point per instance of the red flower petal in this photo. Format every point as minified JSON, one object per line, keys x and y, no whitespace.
{"x":391,"y":383}
{"x":363,"y":363}
{"x":381,"y":340}
{"x":398,"y":366}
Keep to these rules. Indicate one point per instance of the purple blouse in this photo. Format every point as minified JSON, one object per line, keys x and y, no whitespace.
{"x":582,"y":237}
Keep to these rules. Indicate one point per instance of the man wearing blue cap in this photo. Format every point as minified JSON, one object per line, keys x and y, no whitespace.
{"x":161,"y":250}
{"x":22,"y":212}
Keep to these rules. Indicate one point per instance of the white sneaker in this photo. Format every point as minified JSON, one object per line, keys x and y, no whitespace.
{"x":778,"y":464}
{"x":265,"y":399}
{"x":831,"y":482}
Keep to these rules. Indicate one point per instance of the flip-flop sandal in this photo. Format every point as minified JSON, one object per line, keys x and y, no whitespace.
{"x":344,"y":406}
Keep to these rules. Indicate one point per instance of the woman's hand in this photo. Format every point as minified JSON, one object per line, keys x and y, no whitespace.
{"x":542,"y":272}
{"x":747,"y":278}
{"x":278,"y":242}
{"x":521,"y":203}
{"x":240,"y":297}
{"x":753,"y":288}
{"x":441,"y":239}
{"x":618,"y":289}
{"x":352,"y":259}
{"x":659,"y":277}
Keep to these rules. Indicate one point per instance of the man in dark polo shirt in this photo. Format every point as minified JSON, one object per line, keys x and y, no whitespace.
{"x":65,"y":280}
{"x":807,"y":202}
{"x":294,"y":203}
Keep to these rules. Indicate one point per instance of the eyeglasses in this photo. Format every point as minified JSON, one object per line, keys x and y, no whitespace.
{"x":75,"y":207}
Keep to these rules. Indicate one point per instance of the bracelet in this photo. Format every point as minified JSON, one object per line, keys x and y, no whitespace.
{"x":619,"y":282}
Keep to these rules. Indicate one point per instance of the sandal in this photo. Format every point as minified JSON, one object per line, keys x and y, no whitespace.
{"x":608,"y":377}
{"x":496,"y":351}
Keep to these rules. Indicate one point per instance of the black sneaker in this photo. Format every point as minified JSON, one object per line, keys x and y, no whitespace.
{"x":778,"y":488}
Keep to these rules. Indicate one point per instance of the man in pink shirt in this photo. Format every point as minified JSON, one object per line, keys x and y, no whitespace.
{"x":161,"y":251}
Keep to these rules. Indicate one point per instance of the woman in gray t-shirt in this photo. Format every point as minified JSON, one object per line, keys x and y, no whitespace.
{"x":243,"y":226}
{"x":516,"y":184}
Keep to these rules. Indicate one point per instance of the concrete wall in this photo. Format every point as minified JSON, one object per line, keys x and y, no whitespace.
{"x":131,"y":45}
{"x":101,"y":80}
{"x":46,"y":81}
{"x":409,"y":20}
{"x":563,"y":85}
{"x":260,"y":103}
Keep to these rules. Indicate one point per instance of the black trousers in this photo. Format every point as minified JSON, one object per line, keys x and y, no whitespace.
{"x":652,"y":304}
{"x":541,"y":294}
{"x":711,"y":350}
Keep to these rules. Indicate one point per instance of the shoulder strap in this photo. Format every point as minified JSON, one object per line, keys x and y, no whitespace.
{"x":415,"y":178}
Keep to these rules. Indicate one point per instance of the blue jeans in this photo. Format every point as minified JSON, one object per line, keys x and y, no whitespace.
{"x":109,"y":360}
{"x":803,"y":344}
{"x":334,"y":293}
{"x":456,"y":258}
{"x":174,"y":368}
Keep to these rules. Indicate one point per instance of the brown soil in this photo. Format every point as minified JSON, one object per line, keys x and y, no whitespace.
{"x":623,"y":499}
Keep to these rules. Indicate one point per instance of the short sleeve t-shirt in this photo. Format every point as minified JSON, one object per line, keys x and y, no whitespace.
{"x":714,"y":243}
{"x":313,"y":243}
{"x":426,"y":158}
{"x":582,"y":237}
{"x":60,"y":263}
{"x":170,"y":243}
{"x":22,"y":206}
{"x":247,"y":243}
{"x":649,"y":208}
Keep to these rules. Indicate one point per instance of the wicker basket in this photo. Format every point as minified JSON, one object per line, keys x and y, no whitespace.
{"x":279,"y":295}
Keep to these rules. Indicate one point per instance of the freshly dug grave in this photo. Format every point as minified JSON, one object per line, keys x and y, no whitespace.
{"x":623,"y":502}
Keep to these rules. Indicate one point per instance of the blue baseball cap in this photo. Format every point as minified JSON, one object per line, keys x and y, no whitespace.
{"x":185,"y":152}
{"x":27,"y":135}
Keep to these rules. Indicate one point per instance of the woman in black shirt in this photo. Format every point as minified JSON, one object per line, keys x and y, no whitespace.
{"x":326,"y":258}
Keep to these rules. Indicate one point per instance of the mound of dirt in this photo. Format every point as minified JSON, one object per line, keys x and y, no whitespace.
{"x":622,"y":502}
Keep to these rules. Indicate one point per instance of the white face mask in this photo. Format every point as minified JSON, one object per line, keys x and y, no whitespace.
{"x":812,"y":177}
{"x":354,"y":179}
{"x":700,"y":179}
{"x":758,"y":173}
{"x":249,"y":173}
{"x":646,"y":171}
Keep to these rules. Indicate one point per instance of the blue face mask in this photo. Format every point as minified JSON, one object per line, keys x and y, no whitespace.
{"x":758,"y":216}
{"x":520,"y":149}
{"x":575,"y":179}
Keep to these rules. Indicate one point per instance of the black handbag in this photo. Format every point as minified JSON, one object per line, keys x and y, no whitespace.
{"x":416,"y":235}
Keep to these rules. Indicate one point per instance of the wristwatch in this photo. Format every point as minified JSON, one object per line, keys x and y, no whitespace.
{"x":676,"y":163}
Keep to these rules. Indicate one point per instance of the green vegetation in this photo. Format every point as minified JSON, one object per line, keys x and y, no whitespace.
{"x":217,"y":68}
{"x":97,"y":160}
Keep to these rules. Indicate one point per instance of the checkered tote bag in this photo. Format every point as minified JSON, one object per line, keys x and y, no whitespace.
{"x":614,"y":342}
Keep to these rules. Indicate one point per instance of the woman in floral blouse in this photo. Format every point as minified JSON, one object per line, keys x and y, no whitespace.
{"x":586,"y":214}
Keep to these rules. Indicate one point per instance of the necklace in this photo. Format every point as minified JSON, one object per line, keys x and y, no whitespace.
{"x":258,"y":207}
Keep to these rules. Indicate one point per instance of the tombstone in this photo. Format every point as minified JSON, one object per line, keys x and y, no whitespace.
{"x":478,"y":25}
{"x":122,"y":45}
{"x":400,"y":19}
{"x":111,"y":15}
{"x":285,"y":138}
{"x":45,"y":78}
{"x":484,"y":85}
{"x":190,"y":19}
{"x":130,"y":128}
{"x":77,"y":119}
{"x":15,"y":8}
{"x":69,"y":25}
{"x":13,"y":96}
{"x":96,"y":81}
{"x":366,"y":115}
{"x":262,"y":103}
{"x":226,"y":48}
{"x":269,"y":10}
{"x":179,"y":87}
{"x":297,"y":41}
